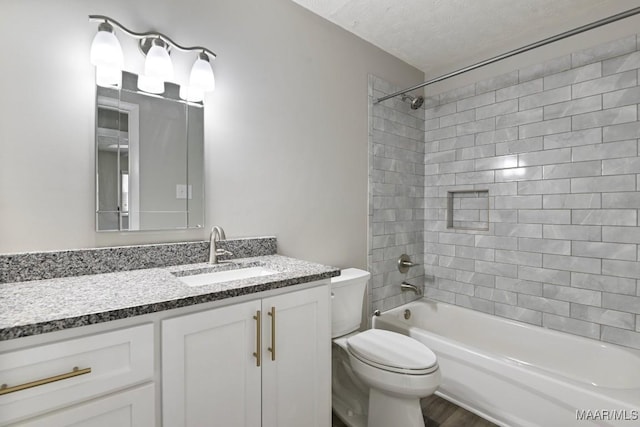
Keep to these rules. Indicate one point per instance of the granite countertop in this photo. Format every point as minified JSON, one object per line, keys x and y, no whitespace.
{"x":40,"y":306}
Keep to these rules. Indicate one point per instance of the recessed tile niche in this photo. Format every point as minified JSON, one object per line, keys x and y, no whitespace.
{"x":468,"y":210}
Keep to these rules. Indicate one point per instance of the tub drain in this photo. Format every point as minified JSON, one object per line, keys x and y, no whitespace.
{"x":407,"y":314}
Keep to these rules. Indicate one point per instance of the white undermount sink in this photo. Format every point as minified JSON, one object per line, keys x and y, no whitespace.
{"x":225,"y":276}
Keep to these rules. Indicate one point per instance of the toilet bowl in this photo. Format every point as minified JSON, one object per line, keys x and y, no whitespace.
{"x":394,"y":363}
{"x":378,"y":376}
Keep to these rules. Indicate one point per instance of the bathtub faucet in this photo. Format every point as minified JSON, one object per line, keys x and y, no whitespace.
{"x":406,"y":286}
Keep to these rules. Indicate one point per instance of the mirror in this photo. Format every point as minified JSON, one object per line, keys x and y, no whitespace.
{"x":149,"y":159}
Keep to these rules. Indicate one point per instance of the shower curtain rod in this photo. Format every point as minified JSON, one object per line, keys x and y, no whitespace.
{"x":578,"y":30}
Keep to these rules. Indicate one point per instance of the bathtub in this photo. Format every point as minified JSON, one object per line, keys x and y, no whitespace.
{"x":515,"y":374}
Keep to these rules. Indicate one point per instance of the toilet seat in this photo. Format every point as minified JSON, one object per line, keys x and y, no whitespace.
{"x":392,"y":352}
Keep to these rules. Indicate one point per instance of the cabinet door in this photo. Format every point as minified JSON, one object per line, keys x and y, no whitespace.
{"x":209,"y":373}
{"x":131,"y":408}
{"x":296,"y":386}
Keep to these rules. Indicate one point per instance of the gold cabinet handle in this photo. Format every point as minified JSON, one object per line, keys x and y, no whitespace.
{"x":272,"y":349}
{"x":5,"y":389}
{"x":257,"y":354}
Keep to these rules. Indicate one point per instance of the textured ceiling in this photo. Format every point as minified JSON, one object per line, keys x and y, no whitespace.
{"x":439,"y":36}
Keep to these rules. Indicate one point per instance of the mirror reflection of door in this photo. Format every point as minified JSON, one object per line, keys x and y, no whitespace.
{"x":124,"y":199}
{"x":116,"y":151}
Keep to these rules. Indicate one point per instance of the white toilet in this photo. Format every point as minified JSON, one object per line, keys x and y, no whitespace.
{"x":378,"y":376}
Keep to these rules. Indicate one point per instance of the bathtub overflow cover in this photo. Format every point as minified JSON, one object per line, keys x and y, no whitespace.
{"x":407,"y":314}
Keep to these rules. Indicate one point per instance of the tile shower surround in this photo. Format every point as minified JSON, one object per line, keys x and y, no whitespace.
{"x":396,"y":195}
{"x":556,"y":145}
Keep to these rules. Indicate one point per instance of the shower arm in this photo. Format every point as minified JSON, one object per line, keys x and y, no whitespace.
{"x":573,"y":32}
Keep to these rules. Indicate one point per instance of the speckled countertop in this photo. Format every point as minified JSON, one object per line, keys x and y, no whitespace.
{"x":40,"y":306}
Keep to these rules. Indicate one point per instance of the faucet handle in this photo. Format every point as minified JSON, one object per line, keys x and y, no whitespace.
{"x":223,"y":252}
{"x":405,"y":263}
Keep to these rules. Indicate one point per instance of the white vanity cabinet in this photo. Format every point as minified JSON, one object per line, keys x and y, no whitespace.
{"x":258,"y":363}
{"x":208,"y":371}
{"x":86,"y":380}
{"x":130,"y":408}
{"x":256,"y":360}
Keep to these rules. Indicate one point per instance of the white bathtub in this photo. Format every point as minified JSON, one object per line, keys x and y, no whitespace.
{"x":515,"y":374}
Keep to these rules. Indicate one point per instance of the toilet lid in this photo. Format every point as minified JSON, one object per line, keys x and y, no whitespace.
{"x":392,"y":351}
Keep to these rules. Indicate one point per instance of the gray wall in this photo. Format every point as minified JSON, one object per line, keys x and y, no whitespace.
{"x":556,"y":145}
{"x":285,"y":130}
{"x":396,"y":195}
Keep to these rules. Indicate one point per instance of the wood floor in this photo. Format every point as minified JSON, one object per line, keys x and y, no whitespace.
{"x":441,"y":413}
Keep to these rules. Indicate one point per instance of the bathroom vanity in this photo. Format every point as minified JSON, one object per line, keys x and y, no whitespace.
{"x":149,"y":348}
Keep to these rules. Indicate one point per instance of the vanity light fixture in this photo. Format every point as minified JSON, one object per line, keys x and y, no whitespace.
{"x":150,"y":84}
{"x":191,"y":93}
{"x":108,"y":76}
{"x":106,"y":55}
{"x":158,"y":64}
{"x":202,"y":74}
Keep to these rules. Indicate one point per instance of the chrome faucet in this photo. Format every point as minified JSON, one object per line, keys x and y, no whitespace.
{"x":406,"y":286}
{"x":217,"y":234}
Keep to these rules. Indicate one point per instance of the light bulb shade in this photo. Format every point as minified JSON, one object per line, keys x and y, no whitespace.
{"x":108,"y":76}
{"x":106,"y":49}
{"x":150,"y":84}
{"x":158,"y":64}
{"x":191,"y":93}
{"x":202,"y":74}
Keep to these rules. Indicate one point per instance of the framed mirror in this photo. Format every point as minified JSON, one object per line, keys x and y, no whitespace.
{"x":149,"y":159}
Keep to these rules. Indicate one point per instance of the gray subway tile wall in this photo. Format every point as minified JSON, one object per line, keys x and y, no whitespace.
{"x":557,"y":146}
{"x":396,"y":185}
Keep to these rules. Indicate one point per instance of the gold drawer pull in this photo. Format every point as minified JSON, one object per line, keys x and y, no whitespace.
{"x":272,"y":349}
{"x":257,"y":354}
{"x":5,"y":389}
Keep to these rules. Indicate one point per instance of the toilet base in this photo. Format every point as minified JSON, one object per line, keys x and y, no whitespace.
{"x":359,"y":403}
{"x":390,"y":410}
{"x":348,"y":417}
{"x":349,"y":397}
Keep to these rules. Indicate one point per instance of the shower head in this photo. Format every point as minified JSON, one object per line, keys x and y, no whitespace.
{"x":416,"y":102}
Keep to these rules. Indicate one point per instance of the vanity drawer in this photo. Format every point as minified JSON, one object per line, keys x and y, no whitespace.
{"x":67,"y":372}
{"x":130,"y":408}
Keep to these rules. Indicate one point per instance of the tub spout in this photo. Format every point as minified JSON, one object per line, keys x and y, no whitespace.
{"x":406,"y":286}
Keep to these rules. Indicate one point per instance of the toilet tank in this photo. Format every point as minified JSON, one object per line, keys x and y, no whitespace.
{"x":347,"y":296}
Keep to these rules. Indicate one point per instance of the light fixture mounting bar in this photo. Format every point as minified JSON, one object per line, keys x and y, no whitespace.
{"x":151,"y":34}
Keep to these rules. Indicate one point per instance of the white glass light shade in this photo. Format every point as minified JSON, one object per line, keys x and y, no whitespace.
{"x":158,"y":64}
{"x":202,"y":74}
{"x":191,"y":93}
{"x":106,"y":49}
{"x":150,"y":84}
{"x":108,"y":76}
